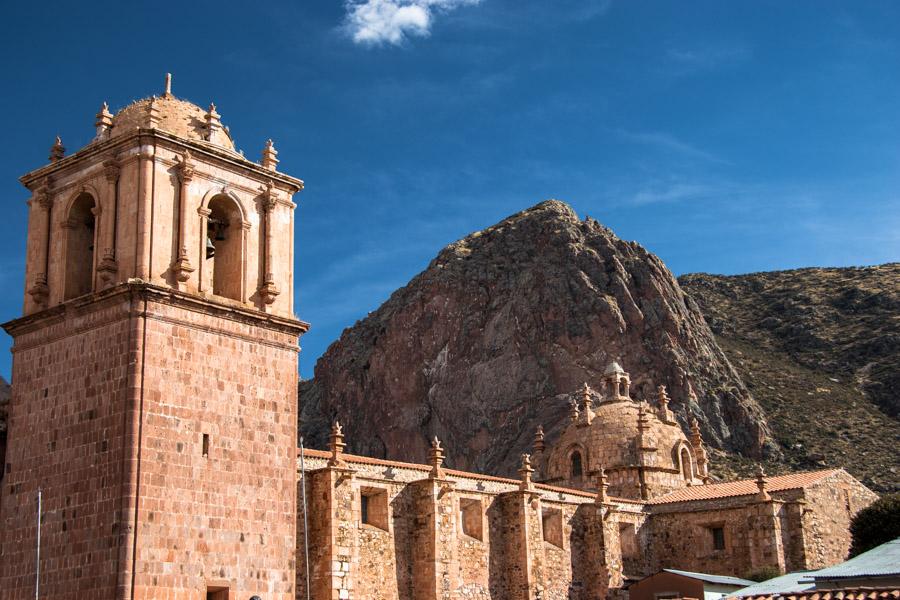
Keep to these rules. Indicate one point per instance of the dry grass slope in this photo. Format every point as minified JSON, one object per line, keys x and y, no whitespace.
{"x":819,"y":349}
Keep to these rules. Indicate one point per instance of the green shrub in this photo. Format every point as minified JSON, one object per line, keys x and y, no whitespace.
{"x":876,"y":524}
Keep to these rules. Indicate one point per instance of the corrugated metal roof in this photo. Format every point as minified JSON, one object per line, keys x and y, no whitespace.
{"x":882,"y":560}
{"x":723,"y":579}
{"x":785,"y":584}
{"x":744,"y":487}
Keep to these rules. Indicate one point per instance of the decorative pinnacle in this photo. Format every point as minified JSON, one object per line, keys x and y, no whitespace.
{"x":762,"y":483}
{"x":539,"y":440}
{"x":642,"y":418}
{"x":437,"y":458}
{"x":663,"y":397}
{"x":104,"y":120}
{"x":168,"y":91}
{"x":336,"y":444}
{"x":602,"y":487}
{"x":57,"y":151}
{"x":525,"y":473}
{"x":269,"y":156}
{"x":696,"y":438}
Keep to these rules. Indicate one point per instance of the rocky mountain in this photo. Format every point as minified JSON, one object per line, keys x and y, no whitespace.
{"x":820,"y":350}
{"x":485,"y":344}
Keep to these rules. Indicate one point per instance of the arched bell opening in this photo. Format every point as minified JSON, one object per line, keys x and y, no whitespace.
{"x":224,"y":247}
{"x":80,"y":242}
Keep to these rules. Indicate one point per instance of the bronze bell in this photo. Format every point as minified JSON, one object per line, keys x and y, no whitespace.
{"x":210,"y":248}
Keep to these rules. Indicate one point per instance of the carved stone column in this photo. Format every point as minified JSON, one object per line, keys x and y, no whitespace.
{"x":204,"y":221}
{"x":268,"y":291}
{"x":108,"y":266}
{"x":182,"y":267}
{"x":145,"y":206}
{"x":39,"y":290}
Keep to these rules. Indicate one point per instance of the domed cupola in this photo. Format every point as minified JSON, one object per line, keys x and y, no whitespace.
{"x":640,"y":446}
{"x":166,"y":113}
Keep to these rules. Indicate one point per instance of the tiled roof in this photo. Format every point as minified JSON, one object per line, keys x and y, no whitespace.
{"x":848,"y":594}
{"x":744,"y":487}
{"x":879,"y":561}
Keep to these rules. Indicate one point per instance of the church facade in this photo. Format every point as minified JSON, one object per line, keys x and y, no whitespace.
{"x":152,"y":440}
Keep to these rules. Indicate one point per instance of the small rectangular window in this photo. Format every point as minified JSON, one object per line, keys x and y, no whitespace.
{"x":628,"y":540}
{"x":551,"y":522}
{"x":205,"y":444}
{"x":472,"y":517}
{"x":373,"y":507}
{"x":718,"y":538}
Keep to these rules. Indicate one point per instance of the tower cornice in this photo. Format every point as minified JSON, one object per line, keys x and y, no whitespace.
{"x":198,"y":149}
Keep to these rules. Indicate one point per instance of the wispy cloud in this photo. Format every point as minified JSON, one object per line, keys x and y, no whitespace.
{"x":377,"y":22}
{"x":685,"y":61}
{"x":670,"y":143}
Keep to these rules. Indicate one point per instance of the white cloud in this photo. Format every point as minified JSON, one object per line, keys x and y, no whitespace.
{"x":374,"y":22}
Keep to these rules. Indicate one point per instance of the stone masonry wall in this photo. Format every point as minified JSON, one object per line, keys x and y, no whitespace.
{"x":218,"y":445}
{"x":66,"y":423}
{"x":831,"y":505}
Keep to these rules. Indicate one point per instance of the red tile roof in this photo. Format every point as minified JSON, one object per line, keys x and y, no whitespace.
{"x":744,"y":487}
{"x":848,"y":594}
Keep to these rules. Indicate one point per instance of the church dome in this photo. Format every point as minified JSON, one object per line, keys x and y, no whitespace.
{"x":609,"y":440}
{"x":180,"y":117}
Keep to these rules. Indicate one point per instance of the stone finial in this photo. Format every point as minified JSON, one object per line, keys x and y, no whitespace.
{"x":213,"y":124}
{"x":643,"y":421}
{"x":574,"y":411}
{"x":663,"y":399}
{"x":586,"y":401}
{"x":602,"y":488}
{"x":103,"y":122}
{"x":57,"y":150}
{"x":539,"y":445}
{"x":269,"y":156}
{"x":699,"y":451}
{"x":436,"y":456}
{"x":168,"y":92}
{"x":762,"y":483}
{"x":336,"y":445}
{"x":525,"y":471}
{"x":696,"y":438}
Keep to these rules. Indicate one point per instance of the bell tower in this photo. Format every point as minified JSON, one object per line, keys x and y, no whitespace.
{"x":154,"y":400}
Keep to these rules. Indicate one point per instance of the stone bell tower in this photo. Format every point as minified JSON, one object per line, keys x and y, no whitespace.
{"x":154,"y":400}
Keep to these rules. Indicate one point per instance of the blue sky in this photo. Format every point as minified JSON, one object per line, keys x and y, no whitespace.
{"x":726,"y":137}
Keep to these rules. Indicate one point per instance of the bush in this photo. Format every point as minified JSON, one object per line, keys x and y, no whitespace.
{"x":875,"y":525}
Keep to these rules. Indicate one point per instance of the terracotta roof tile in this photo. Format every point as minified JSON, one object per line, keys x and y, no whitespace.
{"x":744,"y":487}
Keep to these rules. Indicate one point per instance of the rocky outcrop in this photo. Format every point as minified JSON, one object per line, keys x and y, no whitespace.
{"x":820,"y":351}
{"x":483,"y":346}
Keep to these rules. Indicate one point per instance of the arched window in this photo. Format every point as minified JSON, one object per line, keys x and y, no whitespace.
{"x":686,"y":467}
{"x":577,"y":468}
{"x":224,"y":247}
{"x":80,"y":247}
